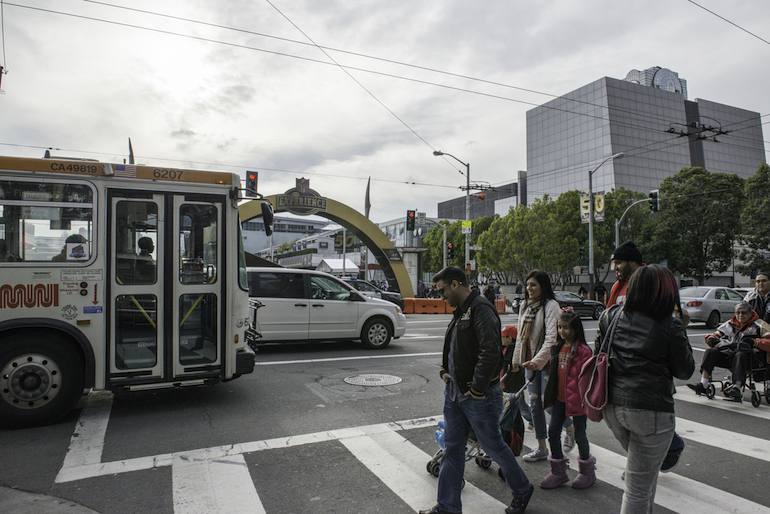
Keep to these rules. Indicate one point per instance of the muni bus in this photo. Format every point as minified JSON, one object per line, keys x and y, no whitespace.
{"x":116,"y":277}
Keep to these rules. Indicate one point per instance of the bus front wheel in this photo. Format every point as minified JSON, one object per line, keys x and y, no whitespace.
{"x":41,"y":379}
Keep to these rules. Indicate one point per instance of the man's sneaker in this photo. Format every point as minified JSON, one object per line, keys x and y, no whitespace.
{"x":535,"y":455}
{"x":670,"y":462}
{"x":530,"y":427}
{"x":569,"y":441}
{"x":519,"y":504}
{"x":699,"y":388}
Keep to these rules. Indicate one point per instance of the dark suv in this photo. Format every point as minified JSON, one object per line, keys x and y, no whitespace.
{"x":368,"y":289}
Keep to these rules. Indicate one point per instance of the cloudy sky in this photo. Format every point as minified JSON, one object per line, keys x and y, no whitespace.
{"x":239,"y":85}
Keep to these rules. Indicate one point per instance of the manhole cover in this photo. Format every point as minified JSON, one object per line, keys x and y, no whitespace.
{"x":371,"y":379}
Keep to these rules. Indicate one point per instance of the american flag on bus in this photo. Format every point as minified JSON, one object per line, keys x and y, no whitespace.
{"x":125,"y":171}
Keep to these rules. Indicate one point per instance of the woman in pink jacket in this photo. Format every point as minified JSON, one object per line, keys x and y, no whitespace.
{"x":561,"y":393}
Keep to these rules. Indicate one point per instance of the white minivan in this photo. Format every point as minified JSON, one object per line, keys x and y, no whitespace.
{"x":309,"y":305}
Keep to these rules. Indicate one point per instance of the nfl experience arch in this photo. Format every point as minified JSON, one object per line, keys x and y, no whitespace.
{"x":303,"y":201}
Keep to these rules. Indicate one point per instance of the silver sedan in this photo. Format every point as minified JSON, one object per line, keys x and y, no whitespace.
{"x":709,"y":304}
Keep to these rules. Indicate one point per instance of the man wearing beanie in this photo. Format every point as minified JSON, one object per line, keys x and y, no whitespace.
{"x":625,"y":260}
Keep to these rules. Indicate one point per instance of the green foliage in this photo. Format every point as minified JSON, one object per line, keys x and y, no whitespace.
{"x":756,"y":222}
{"x":698,"y":222}
{"x":700,"y":218}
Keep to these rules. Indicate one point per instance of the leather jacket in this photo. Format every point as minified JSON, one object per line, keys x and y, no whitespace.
{"x":645,"y":356}
{"x":477,"y":346}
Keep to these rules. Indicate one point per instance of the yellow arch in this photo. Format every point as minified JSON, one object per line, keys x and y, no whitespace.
{"x":386,"y":254}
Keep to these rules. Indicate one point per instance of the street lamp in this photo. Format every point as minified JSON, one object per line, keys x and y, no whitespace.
{"x":591,"y":293}
{"x":467,"y":200}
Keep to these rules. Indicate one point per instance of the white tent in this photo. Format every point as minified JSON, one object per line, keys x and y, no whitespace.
{"x":335,"y":267}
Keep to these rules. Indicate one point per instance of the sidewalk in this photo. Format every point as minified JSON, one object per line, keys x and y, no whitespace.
{"x":21,"y":502}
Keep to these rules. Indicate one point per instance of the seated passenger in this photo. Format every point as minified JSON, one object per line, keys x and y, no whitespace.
{"x":145,"y":264}
{"x":730,"y":347}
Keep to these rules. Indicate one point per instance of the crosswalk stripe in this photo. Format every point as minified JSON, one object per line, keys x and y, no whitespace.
{"x":400,"y":465}
{"x":87,"y":440}
{"x":213,"y":486}
{"x":724,"y":439}
{"x":763,"y":411}
{"x":676,"y":492}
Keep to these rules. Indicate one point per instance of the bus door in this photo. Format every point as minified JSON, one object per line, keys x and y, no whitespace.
{"x":137,"y":287}
{"x":197,"y":286}
{"x":165,"y":296}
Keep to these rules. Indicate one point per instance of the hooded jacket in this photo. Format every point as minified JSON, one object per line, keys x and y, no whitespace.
{"x":645,"y":356}
{"x":579,"y":354}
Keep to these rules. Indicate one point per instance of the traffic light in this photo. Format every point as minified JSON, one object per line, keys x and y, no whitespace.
{"x":582,"y":253}
{"x":251,"y":184}
{"x":410,"y":220}
{"x":654,"y":201}
{"x":450,"y":250}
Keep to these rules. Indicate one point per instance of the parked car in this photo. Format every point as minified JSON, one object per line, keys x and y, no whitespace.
{"x":708,"y":304}
{"x":367,"y":289}
{"x":743,"y":291}
{"x":309,"y":305}
{"x":588,"y":308}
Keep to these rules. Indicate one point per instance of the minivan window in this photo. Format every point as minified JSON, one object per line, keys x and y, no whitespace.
{"x":276,"y":285}
{"x":325,"y":288}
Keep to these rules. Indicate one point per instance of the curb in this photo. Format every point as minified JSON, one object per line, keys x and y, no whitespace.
{"x":22,"y":502}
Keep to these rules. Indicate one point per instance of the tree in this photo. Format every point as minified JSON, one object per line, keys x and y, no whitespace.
{"x":433,"y":258}
{"x":700,"y":213}
{"x":756,"y":223}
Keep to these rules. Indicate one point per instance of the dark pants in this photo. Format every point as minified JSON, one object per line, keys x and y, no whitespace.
{"x":558,"y":415}
{"x":726,"y":358}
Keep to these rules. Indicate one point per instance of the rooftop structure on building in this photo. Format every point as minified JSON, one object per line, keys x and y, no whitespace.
{"x":648,"y":117}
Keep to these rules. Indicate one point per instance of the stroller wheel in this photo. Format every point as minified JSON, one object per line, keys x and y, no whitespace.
{"x":434,"y":469}
{"x":484,"y":461}
{"x":710,"y":392}
{"x":756,"y":398}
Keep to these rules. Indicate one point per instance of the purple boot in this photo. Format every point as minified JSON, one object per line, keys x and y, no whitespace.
{"x":587,"y":475}
{"x":558,"y":475}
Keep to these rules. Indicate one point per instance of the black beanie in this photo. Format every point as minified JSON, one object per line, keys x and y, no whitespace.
{"x":627,"y":252}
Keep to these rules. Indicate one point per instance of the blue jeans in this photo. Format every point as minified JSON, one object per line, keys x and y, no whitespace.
{"x":558,"y":415}
{"x":536,"y":388}
{"x":646,"y":436}
{"x":483,"y":416}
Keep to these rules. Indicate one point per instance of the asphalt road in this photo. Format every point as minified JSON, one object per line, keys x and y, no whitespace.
{"x":295,"y":437}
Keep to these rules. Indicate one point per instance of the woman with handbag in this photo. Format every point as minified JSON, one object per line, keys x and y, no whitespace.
{"x":647,"y":347}
{"x":536,"y":335}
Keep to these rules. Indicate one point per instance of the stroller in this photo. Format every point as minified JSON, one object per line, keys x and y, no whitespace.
{"x":511,"y":425}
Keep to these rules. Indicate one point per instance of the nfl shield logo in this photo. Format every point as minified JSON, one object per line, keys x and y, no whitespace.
{"x":303,"y":185}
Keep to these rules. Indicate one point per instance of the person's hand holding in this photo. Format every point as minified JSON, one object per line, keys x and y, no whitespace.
{"x":445,"y":377}
{"x":530,"y":366}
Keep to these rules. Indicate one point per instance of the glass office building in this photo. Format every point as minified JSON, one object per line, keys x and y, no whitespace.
{"x":648,"y":117}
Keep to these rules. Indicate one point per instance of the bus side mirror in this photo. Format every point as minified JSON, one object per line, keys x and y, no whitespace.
{"x":267,"y":218}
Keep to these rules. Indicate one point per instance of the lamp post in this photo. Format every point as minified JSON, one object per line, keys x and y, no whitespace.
{"x":591,"y":293}
{"x":467,"y":200}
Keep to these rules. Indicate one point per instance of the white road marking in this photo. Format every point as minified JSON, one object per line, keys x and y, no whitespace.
{"x":221,"y":485}
{"x":675,"y":492}
{"x":685,"y":395}
{"x":87,"y":441}
{"x":339,"y":359}
{"x":400,"y":465}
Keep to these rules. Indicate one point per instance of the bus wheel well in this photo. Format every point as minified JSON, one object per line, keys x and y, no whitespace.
{"x":42,"y":376}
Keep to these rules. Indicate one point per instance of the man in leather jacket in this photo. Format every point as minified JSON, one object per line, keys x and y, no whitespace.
{"x":471,"y":365}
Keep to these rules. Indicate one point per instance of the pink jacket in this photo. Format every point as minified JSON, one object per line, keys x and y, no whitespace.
{"x":581,"y":352}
